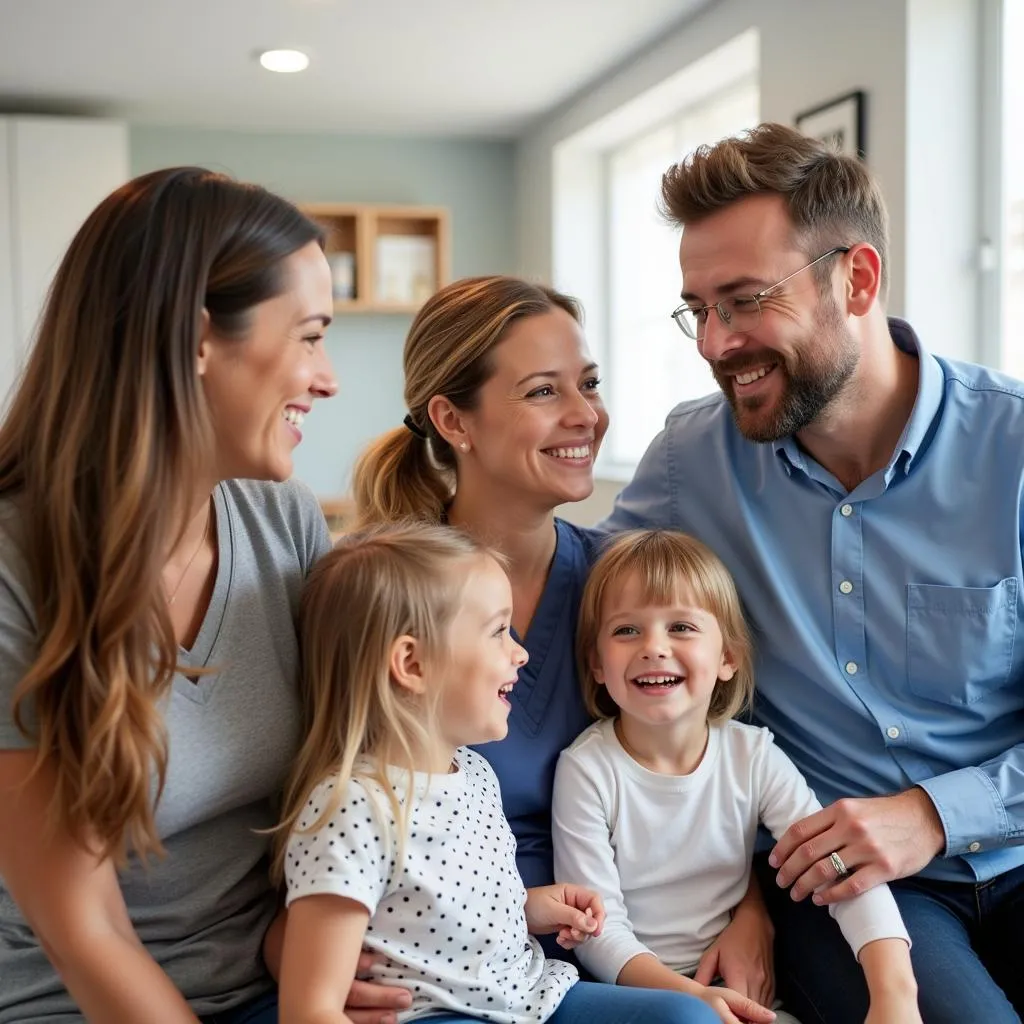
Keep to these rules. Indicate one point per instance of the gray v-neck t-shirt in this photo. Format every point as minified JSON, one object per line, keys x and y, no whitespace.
{"x":202,"y":910}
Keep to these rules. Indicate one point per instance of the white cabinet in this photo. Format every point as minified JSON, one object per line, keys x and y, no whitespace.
{"x":53,"y":172}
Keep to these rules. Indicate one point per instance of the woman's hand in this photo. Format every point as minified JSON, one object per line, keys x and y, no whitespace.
{"x":572,"y":911}
{"x":742,"y":956}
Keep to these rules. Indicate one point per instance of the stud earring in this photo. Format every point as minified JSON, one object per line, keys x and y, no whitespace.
{"x":463,"y":446}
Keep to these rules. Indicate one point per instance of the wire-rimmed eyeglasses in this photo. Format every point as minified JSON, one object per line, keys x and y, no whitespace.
{"x":739,"y":313}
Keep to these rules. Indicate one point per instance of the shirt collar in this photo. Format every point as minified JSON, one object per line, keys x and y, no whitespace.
{"x":926,"y":405}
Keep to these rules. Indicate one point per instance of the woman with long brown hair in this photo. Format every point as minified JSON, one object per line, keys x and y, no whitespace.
{"x":151,"y":559}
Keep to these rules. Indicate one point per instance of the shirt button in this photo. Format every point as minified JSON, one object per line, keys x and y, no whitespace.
{"x":851,"y":668}
{"x":846,"y":510}
{"x":846,"y":587}
{"x":974,"y":847}
{"x":892,"y":732}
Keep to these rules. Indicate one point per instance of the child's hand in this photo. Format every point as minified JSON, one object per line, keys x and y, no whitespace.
{"x":572,"y":911}
{"x":734,"y":1008}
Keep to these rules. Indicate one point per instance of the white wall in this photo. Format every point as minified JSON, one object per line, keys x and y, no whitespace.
{"x":917,"y":61}
{"x":8,"y":320}
{"x":55,"y":171}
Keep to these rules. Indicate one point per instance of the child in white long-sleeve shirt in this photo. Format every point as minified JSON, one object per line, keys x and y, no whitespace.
{"x":657,"y":805}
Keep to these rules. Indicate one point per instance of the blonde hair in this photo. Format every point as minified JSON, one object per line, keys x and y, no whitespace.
{"x":403,"y":474}
{"x":832,"y":199}
{"x":667,"y":564}
{"x":105,"y":434}
{"x":374,"y":587}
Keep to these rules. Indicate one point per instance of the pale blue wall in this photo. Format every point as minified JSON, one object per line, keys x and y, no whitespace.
{"x":473,"y":178}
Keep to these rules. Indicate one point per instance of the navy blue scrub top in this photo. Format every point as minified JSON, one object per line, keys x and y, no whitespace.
{"x":547,"y":707}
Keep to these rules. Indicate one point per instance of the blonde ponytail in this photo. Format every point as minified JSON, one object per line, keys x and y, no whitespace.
{"x":396,"y":479}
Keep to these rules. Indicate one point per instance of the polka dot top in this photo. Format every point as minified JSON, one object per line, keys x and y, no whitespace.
{"x":449,"y":919}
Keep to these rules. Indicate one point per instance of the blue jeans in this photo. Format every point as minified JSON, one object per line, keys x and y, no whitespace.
{"x":259,"y":1011}
{"x":590,"y":1002}
{"x":966,"y":951}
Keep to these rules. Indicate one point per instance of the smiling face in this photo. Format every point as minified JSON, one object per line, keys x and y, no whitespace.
{"x":260,"y":388}
{"x":539,"y":419}
{"x":483,"y":660}
{"x":659,"y":663}
{"x":780,"y":377}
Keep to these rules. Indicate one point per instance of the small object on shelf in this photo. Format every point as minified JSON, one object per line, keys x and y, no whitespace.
{"x":383,"y":259}
{"x":406,"y":268}
{"x":343,"y":275}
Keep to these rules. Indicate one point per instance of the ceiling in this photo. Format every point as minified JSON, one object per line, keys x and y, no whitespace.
{"x":439,"y":67}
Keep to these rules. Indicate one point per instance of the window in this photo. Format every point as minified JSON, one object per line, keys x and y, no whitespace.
{"x":1011,"y":259}
{"x":612,"y":250}
{"x":650,"y":365}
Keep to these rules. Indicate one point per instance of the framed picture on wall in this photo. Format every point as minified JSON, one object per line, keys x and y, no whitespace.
{"x":840,"y":122}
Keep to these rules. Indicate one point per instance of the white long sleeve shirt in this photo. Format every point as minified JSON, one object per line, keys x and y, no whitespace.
{"x":671,"y":854}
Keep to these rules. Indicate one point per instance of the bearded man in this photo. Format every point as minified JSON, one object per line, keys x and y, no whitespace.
{"x":868,"y":498}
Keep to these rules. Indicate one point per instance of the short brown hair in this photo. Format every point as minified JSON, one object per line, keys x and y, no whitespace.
{"x":832,"y":199}
{"x":666,"y":562}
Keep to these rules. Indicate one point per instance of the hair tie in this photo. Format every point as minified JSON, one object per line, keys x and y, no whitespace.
{"x":411,"y":426}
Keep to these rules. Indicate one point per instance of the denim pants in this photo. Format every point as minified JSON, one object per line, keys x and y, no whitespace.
{"x":259,"y":1011}
{"x":590,"y":1002}
{"x":966,"y":951}
{"x":585,"y":1003}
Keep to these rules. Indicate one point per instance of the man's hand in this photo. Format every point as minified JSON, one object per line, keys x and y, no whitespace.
{"x":370,"y":1002}
{"x":572,"y":911}
{"x":742,"y":955}
{"x":733,"y":1008}
{"x":878,"y":839}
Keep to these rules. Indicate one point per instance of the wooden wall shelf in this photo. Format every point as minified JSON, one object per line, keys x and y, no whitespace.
{"x":384,"y":259}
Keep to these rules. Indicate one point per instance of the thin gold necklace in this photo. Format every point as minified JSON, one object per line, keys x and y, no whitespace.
{"x":195,"y":554}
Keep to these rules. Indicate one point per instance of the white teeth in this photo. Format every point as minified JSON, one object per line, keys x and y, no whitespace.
{"x":506,"y":689}
{"x":656,"y":680}
{"x":294,"y":416}
{"x":582,"y":452}
{"x":749,"y":378}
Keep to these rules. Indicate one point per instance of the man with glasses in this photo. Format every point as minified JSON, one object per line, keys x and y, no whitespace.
{"x":868,"y":498}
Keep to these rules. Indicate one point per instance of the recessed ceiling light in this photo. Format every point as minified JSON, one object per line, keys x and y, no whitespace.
{"x":285,"y":61}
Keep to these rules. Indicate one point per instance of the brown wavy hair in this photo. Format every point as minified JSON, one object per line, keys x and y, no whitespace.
{"x":832,"y":199}
{"x":447,"y":352}
{"x":667,"y":563}
{"x":106,"y":432}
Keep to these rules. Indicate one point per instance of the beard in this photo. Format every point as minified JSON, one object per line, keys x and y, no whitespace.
{"x":814,"y":376}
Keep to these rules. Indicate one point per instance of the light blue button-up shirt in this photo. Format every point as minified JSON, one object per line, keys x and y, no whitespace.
{"x":885,"y":617}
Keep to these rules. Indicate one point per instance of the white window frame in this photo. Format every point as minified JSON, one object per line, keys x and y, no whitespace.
{"x":579,"y":211}
{"x":609,"y":466}
{"x":990,"y":349}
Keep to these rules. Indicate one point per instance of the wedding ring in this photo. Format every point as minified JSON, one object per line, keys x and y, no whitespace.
{"x":837,"y":863}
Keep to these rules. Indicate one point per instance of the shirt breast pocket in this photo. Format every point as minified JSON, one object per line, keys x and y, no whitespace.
{"x":960,"y":640}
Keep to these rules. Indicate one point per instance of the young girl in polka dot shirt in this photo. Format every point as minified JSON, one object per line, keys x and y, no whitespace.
{"x":393,"y":838}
